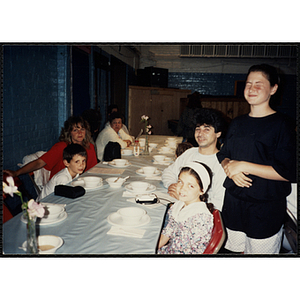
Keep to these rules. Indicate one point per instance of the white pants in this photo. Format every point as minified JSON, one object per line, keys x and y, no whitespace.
{"x":239,"y":242}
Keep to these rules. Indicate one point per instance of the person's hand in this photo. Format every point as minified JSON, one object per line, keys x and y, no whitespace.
{"x":234,"y":167}
{"x":10,"y":173}
{"x":242,"y":180}
{"x":128,"y":142}
{"x":172,"y":190}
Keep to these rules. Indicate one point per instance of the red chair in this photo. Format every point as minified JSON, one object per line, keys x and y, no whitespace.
{"x":218,"y":235}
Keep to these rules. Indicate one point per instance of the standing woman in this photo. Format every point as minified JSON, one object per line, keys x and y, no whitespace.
{"x":75,"y":130}
{"x":259,"y":159}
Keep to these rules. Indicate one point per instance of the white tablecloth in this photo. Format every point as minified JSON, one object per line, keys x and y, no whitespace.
{"x":84,"y":231}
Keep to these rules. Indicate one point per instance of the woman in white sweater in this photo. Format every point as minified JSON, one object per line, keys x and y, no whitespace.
{"x":112,"y":133}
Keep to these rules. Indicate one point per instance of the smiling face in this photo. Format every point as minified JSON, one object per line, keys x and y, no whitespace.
{"x":258,"y":90}
{"x":76,"y":165}
{"x":207,"y":138}
{"x":78,"y":134}
{"x":188,"y":188}
{"x":116,"y":124}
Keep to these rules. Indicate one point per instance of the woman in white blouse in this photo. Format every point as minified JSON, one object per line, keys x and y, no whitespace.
{"x":112,"y":133}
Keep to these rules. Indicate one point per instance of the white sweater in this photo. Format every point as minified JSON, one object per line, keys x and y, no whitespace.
{"x":216,"y":191}
{"x":109,"y":135}
{"x":62,"y":177}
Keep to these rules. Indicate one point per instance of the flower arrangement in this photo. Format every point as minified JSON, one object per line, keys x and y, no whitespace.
{"x":32,"y":210}
{"x":144,"y":119}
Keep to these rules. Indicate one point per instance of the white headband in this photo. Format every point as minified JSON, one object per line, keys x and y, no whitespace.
{"x":202,"y":172}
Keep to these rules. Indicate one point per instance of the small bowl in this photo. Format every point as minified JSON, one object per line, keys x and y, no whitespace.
{"x":153,"y":145}
{"x":127,"y":151}
{"x":139,"y":186}
{"x":120,"y":162}
{"x":47,"y":244}
{"x":131,"y":215}
{"x":52,"y":212}
{"x":148,"y":171}
{"x":113,"y":184}
{"x":171,"y":139}
{"x":159,"y":158}
{"x":91,"y":181}
{"x":165,"y":149}
{"x":172,"y":144}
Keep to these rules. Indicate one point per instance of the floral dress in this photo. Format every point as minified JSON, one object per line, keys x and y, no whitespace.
{"x":189,"y":229}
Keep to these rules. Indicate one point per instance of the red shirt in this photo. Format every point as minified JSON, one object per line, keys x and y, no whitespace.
{"x":54,"y":158}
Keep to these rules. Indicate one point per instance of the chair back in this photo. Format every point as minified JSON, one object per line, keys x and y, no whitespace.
{"x":218,"y":234}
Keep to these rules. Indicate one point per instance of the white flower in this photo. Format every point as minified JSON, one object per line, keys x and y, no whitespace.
{"x":35,"y":209}
{"x":10,"y":188}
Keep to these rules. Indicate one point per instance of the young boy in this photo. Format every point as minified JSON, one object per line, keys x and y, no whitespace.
{"x":74,"y":158}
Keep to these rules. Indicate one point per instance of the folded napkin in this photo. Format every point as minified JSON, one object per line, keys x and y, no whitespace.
{"x":128,"y":231}
{"x":129,"y":194}
{"x":153,"y":177}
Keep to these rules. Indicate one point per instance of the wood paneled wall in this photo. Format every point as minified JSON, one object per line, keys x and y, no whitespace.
{"x":160,"y":104}
{"x":231,"y":106}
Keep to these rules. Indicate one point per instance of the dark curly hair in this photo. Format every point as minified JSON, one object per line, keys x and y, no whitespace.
{"x":211,"y":117}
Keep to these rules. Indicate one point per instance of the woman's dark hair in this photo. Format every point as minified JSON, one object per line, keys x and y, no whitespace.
{"x":65,"y":134}
{"x":269,"y":71}
{"x":272,"y":76}
{"x":115,"y":115}
{"x":72,"y":150}
{"x":203,"y":197}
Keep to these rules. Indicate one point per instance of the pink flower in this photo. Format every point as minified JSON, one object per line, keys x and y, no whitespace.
{"x":10,"y":188}
{"x":35,"y":209}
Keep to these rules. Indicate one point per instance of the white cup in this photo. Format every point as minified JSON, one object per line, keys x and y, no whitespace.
{"x":148,"y":171}
{"x":165,"y":149}
{"x":142,"y":142}
{"x":91,"y":181}
{"x":119,"y":162}
{"x":159,"y":158}
{"x":139,"y":186}
{"x":127,"y":151}
{"x":131,"y":215}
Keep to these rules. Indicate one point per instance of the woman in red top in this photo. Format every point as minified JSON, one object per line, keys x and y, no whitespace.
{"x":75,"y":130}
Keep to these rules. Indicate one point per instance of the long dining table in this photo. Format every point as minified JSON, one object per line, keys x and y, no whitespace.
{"x":85,"y":229}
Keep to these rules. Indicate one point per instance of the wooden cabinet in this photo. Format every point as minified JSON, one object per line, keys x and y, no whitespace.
{"x":160,"y":104}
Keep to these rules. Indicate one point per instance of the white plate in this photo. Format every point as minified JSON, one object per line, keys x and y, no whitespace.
{"x":81,"y":183}
{"x":141,"y":172}
{"x":43,"y":221}
{"x":149,"y":189}
{"x":166,"y":160}
{"x":116,"y":219}
{"x":113,"y":165}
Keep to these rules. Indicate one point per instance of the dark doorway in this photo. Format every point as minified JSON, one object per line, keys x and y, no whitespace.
{"x":119,"y":85}
{"x":80,"y":78}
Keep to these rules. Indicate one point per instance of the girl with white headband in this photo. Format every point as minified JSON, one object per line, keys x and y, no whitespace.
{"x":190,"y":220}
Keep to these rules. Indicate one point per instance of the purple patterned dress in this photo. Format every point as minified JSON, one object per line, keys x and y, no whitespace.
{"x":189,"y":229}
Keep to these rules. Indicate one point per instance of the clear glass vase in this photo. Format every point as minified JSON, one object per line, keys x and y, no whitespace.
{"x":31,"y":236}
{"x":146,"y":150}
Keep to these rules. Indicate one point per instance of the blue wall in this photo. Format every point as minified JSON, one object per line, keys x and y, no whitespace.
{"x":35,"y":99}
